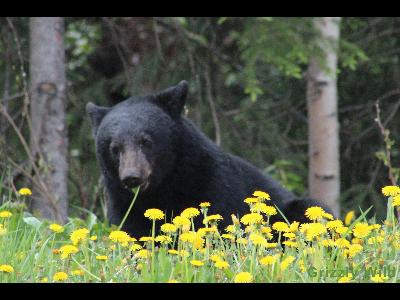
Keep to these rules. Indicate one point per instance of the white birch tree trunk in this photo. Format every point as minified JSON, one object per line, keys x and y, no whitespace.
{"x":323,"y":130}
{"x":49,"y":133}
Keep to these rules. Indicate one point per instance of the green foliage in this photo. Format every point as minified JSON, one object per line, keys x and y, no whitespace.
{"x":256,"y":68}
{"x":81,"y":39}
{"x":287,"y":172}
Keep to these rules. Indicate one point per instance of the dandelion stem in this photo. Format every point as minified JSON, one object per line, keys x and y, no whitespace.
{"x":87,"y":271}
{"x":152,"y":248}
{"x":136,"y":192}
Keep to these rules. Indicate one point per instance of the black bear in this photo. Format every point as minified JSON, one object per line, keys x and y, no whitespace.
{"x":144,"y":141}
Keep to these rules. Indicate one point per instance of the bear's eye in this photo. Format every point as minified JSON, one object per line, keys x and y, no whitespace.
{"x":145,"y":141}
{"x":114,"y":150}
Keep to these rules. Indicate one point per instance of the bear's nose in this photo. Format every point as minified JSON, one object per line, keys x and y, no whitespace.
{"x":131,"y":180}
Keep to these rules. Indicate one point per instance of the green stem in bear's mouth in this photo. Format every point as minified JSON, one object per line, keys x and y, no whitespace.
{"x":136,"y":192}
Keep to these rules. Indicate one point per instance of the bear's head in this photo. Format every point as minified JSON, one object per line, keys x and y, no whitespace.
{"x":136,"y":140}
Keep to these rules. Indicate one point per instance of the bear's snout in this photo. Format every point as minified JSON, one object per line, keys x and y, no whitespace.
{"x":131,"y":179}
{"x":134,"y":169}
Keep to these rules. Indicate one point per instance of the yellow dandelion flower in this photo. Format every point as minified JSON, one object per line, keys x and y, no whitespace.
{"x":5,"y":214}
{"x":290,"y":244}
{"x":345,"y":279}
{"x":242,"y":241}
{"x":357,"y":241}
{"x":93,"y":238}
{"x":267,"y":231}
{"x":280,"y":227}
{"x":139,"y":266}
{"x":375,"y":240}
{"x":25,"y":192}
{"x":102,"y":257}
{"x":230,"y":229}
{"x":334,"y":224}
{"x":349,"y":217}
{"x":60,"y":276}
{"x":286,"y":262}
{"x":257,"y":239}
{"x":250,"y":219}
{"x":204,"y":230}
{"x":328,"y":216}
{"x":172,"y":281}
{"x":121,"y":237}
{"x":78,"y":272}
{"x":396,"y":201}
{"x":294,"y":227}
{"x":315,"y":230}
{"x":354,"y":249}
{"x":183,"y":253}
{"x":164,"y":239}
{"x":262,"y":207}
{"x":289,"y":235}
{"x":56,"y":228}
{"x":79,"y":235}
{"x":375,"y":226}
{"x":391,"y":190}
{"x":262,"y":195}
{"x":249,"y":228}
{"x":143,"y":254}
{"x":269,"y":211}
{"x":243,"y":277}
{"x":270,"y":245}
{"x":235,"y":220}
{"x":221,"y":264}
{"x":190,"y":212}
{"x":67,"y":250}
{"x":228,"y":236}
{"x":168,"y":228}
{"x":328,"y":243}
{"x":173,"y":252}
{"x":154,"y":214}
{"x":342,"y":243}
{"x":361,"y":230}
{"x":44,"y":280}
{"x":212,"y":218}
{"x":251,"y":200}
{"x":135,"y":247}
{"x":181,"y":221}
{"x":196,"y":263}
{"x":146,"y":239}
{"x":302,"y":266}
{"x":6,"y":269}
{"x":188,"y":237}
{"x":215,"y":257}
{"x":204,"y":204}
{"x":268,"y":260}
{"x":379,"y":278}
{"x":341,"y":230}
{"x":315,"y":213}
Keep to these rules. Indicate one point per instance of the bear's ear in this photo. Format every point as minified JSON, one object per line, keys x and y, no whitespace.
{"x":96,"y":114}
{"x":173,"y":99}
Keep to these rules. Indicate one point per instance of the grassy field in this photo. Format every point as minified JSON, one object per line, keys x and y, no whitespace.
{"x":324,"y":250}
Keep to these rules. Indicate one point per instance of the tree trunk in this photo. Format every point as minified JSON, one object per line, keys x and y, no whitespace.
{"x":323,"y":131}
{"x":49,"y":133}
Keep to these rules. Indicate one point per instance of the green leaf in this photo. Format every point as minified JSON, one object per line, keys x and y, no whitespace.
{"x":32,"y":221}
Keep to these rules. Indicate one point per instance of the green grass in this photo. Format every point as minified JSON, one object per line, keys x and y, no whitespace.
{"x":31,"y":248}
